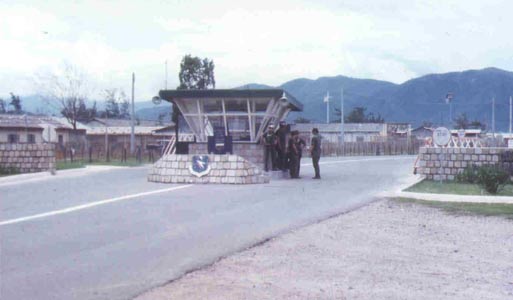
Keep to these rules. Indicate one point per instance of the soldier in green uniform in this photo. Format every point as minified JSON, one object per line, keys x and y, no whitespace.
{"x":293,"y":154}
{"x":315,"y":152}
{"x":300,"y":144}
{"x":270,"y":141}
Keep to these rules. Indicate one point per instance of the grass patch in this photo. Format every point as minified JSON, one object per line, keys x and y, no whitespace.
{"x":117,"y":163}
{"x":450,"y":187}
{"x":465,"y":208}
{"x":7,"y":171}
{"x":65,"y":165}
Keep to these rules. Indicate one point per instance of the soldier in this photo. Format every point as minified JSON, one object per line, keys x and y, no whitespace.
{"x":281,"y":150}
{"x":300,"y":144}
{"x":293,"y":155}
{"x":315,"y":152}
{"x":270,"y":142}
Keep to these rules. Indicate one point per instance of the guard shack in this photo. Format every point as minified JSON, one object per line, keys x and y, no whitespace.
{"x":230,"y":122}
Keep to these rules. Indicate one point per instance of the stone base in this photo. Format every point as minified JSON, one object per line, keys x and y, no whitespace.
{"x":231,"y":169}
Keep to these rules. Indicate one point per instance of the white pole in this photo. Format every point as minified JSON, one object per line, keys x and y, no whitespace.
{"x":342,"y":116}
{"x":132,"y":119}
{"x":327,"y":100}
{"x":328,"y":111}
{"x":166,"y":76}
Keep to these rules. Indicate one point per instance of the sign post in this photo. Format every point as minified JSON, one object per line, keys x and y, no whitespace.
{"x":441,"y":137}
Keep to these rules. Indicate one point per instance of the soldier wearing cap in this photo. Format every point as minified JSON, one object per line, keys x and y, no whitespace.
{"x":300,"y":144}
{"x":270,"y":142}
{"x":315,"y":152}
{"x":293,"y":154}
{"x":281,"y":150}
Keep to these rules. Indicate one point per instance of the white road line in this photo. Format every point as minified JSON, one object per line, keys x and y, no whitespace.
{"x":89,"y":205}
{"x":356,"y":160}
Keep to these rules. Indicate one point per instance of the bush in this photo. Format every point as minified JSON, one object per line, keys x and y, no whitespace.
{"x":8,"y":171}
{"x":492,"y":178}
{"x":469,"y":175}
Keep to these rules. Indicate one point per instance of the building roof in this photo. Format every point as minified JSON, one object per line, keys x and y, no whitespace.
{"x":335,"y":127}
{"x":169,"y":95}
{"x":19,"y":121}
{"x":122,"y":130}
{"x":467,"y":131}
{"x":101,"y":122}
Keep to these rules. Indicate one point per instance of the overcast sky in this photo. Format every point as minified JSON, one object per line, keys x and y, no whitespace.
{"x":262,"y":41}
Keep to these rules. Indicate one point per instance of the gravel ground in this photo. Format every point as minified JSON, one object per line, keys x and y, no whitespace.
{"x":386,"y":250}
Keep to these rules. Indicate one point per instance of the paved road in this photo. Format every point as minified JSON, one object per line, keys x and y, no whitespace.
{"x":112,"y":235}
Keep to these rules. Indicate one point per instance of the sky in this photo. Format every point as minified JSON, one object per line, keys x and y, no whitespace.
{"x":267,"y":42}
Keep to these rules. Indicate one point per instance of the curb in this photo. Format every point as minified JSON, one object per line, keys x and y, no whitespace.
{"x":445,"y":197}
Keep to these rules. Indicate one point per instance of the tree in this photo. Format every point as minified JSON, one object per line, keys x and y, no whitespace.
{"x":68,"y":88}
{"x":161,"y":118}
{"x":196,"y":74}
{"x":427,"y":124}
{"x":16,"y":104}
{"x":477,"y":125}
{"x":124,"y":107}
{"x":112,"y":97}
{"x":302,"y":120}
{"x":357,"y":115}
{"x":462,"y":122}
{"x":85,"y":114}
{"x":2,"y":106}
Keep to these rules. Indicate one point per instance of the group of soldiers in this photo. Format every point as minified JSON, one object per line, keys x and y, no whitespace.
{"x":282,"y":154}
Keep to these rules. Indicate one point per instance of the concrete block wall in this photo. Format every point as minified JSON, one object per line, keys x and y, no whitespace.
{"x":446,"y":163}
{"x":27,"y":158}
{"x":252,"y":152}
{"x":229,"y":169}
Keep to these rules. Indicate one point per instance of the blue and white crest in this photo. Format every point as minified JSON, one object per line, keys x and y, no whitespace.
{"x":199,"y":166}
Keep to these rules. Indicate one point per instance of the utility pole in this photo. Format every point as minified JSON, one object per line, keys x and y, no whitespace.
{"x":342,"y":116}
{"x":327,"y":101}
{"x":132,"y":119}
{"x":166,"y":77}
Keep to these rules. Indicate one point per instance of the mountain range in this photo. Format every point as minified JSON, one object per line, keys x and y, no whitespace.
{"x":415,"y":101}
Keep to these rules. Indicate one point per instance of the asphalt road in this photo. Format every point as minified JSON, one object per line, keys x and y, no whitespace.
{"x":113,"y":235}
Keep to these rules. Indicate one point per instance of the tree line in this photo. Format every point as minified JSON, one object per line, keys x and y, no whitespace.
{"x":13,"y":107}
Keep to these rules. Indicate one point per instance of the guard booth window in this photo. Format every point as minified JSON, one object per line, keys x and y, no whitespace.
{"x":13,"y":138}
{"x":31,"y":138}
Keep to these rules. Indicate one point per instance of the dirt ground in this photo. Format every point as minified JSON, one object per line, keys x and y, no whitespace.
{"x":386,"y":250}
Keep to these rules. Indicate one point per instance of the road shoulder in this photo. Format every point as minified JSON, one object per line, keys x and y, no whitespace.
{"x":386,"y":250}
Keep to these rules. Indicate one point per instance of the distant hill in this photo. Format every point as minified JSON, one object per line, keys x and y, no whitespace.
{"x":415,"y":101}
{"x":144,"y":110}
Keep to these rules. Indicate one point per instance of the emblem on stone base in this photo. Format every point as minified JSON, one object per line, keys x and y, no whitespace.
{"x":199,"y":166}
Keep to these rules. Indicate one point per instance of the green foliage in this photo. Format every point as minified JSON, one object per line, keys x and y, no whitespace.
{"x":358,"y":115}
{"x":16,"y":104}
{"x":302,"y":120}
{"x":462,"y":122}
{"x":8,"y":171}
{"x":469,"y":175}
{"x":492,"y":178}
{"x":2,"y":106}
{"x":196,"y":73}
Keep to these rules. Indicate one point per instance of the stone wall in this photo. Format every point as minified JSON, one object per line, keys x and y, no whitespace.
{"x":231,"y":169}
{"x":446,"y":163}
{"x":27,"y":158}
{"x":252,"y":152}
